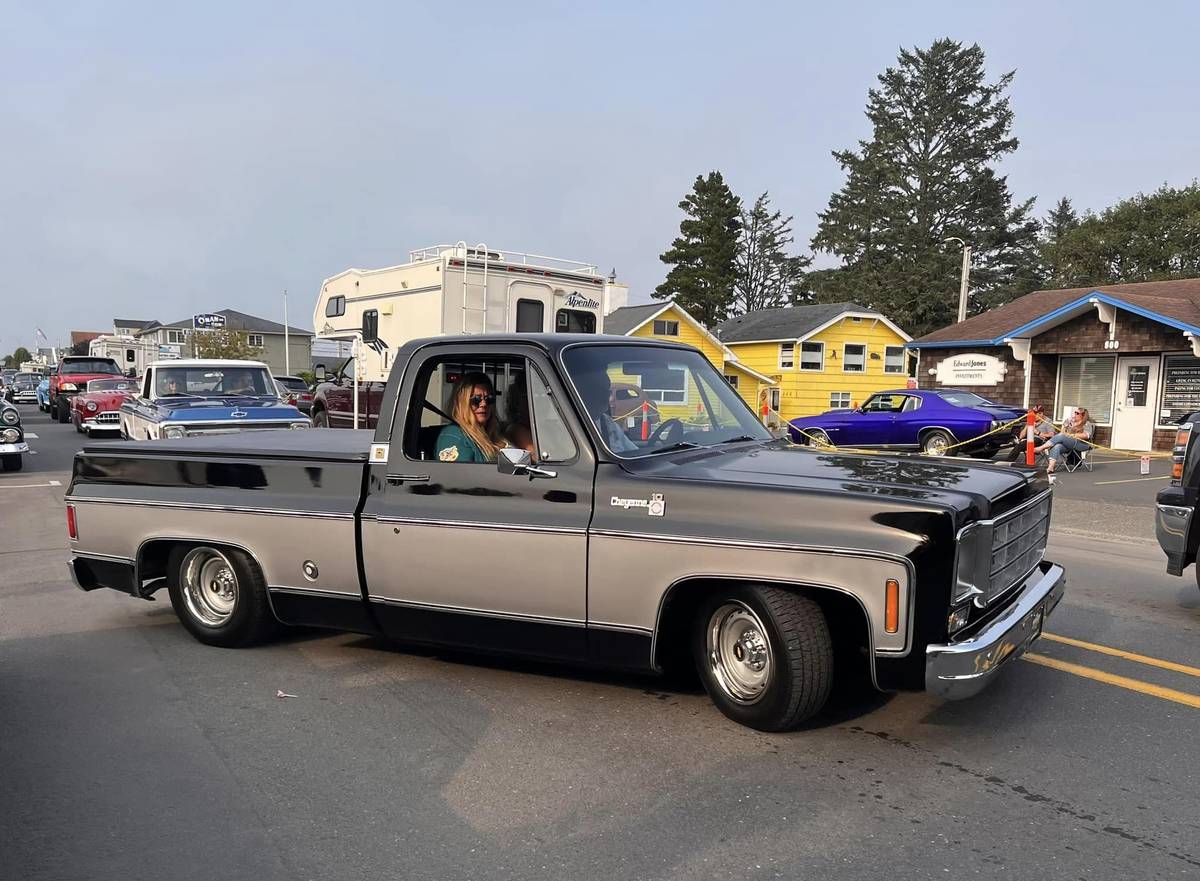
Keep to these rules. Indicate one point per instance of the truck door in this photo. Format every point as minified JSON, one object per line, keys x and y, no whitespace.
{"x":457,"y":552}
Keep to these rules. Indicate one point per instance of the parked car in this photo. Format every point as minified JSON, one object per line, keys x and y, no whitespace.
{"x":1175,"y":521}
{"x":930,"y":420}
{"x":24,"y":388}
{"x":98,"y":408}
{"x":711,"y":543}
{"x":333,"y":399}
{"x":295,"y":391}
{"x":43,"y":391}
{"x":12,"y":437}
{"x":183,"y":398}
{"x":73,"y":374}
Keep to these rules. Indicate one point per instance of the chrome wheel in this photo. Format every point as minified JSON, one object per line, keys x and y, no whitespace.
{"x":819,"y":438}
{"x":209,"y":586}
{"x":936,"y":444}
{"x":739,"y":652}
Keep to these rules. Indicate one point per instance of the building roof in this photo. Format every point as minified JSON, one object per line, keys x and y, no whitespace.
{"x":84,"y":336}
{"x":792,"y":322}
{"x":1175,"y":303}
{"x":629,"y":318}
{"x":235,"y":320}
{"x":133,"y":322}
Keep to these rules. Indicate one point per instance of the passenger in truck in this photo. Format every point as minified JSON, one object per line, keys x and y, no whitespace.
{"x":475,"y":435}
{"x":516,"y":408}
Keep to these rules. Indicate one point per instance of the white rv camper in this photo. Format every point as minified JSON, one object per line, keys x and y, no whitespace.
{"x":129,"y":352}
{"x":456,"y":289}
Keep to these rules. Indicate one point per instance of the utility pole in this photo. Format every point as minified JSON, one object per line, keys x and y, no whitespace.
{"x":287,"y":349}
{"x":966,"y":275}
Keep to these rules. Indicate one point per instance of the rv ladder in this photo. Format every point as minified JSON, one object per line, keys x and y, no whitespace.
{"x":480,"y":310}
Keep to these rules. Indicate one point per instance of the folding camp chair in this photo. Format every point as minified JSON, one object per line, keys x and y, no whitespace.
{"x":1073,"y":460}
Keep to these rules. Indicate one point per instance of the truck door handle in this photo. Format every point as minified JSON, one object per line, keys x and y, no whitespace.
{"x":398,"y":479}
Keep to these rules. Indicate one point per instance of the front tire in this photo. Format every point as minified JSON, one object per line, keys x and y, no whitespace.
{"x":936,"y":442}
{"x":62,"y":412}
{"x":11,"y":463}
{"x":765,"y":655}
{"x":220,"y":596}
{"x":320,"y":419}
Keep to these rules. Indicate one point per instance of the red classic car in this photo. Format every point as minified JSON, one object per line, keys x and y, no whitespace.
{"x":97,"y":409}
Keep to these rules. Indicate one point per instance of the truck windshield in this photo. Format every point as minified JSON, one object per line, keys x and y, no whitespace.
{"x":646,"y":400}
{"x":213,"y":382}
{"x":95,"y":365}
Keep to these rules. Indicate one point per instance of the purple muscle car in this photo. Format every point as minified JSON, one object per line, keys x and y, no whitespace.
{"x":913,"y":419}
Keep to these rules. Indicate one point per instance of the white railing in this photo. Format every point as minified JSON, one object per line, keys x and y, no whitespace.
{"x":502,"y":256}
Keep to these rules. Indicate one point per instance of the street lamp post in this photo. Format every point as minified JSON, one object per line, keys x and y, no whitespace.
{"x":966,"y":274}
{"x":287,"y":348}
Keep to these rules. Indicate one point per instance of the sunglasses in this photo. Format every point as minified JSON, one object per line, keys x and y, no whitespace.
{"x":476,"y":400}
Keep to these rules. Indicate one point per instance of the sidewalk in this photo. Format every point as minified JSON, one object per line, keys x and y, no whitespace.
{"x":1115,"y":501}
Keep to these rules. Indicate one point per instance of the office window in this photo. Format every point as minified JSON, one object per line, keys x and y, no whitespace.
{"x":839,"y":400}
{"x":666,"y":328}
{"x":787,"y":356}
{"x":176,"y":337}
{"x":254,"y":340}
{"x":893,"y":359}
{"x":812,"y":356}
{"x":1086,"y":382}
{"x":854,"y":358}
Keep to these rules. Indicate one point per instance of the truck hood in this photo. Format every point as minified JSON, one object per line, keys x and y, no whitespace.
{"x":219,"y":409}
{"x":961,"y":485}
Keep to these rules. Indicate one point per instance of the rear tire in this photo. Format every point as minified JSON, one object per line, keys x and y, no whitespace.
{"x":320,"y":419}
{"x":11,"y":463}
{"x":220,"y":596}
{"x":764,"y":654}
{"x":936,"y":442}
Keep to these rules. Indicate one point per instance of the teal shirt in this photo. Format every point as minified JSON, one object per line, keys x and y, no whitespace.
{"x":453,"y":445}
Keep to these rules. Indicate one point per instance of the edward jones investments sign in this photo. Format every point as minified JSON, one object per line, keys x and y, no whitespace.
{"x":970,"y":369}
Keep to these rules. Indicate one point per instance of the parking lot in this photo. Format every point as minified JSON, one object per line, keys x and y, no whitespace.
{"x":130,"y":750}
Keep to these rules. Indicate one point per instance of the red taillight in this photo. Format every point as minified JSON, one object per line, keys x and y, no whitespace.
{"x":306,"y":397}
{"x":72,"y":531}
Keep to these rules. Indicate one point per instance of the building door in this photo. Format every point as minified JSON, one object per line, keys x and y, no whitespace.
{"x":1136,"y":408}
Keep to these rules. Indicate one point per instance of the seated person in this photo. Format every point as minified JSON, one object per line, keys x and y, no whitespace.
{"x":1043,"y":429}
{"x":167,"y":385}
{"x":475,"y":434}
{"x":1075,"y":435}
{"x":516,"y":429}
{"x":240,"y":383}
{"x":596,"y":390}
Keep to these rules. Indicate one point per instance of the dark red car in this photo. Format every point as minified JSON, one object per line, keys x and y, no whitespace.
{"x":74,"y":373}
{"x":98,"y":408}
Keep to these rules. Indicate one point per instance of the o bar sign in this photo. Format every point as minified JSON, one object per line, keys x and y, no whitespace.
{"x":970,"y":369}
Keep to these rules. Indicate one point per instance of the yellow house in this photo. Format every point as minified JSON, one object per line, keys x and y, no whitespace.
{"x":670,"y":321}
{"x":820,"y":356}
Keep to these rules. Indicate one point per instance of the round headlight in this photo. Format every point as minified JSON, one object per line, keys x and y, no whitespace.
{"x":11,"y":435}
{"x":174,"y":431}
{"x":301,"y":425}
{"x":91,"y":405}
{"x":10,"y":417}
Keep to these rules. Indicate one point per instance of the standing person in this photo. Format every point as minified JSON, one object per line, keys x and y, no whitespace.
{"x":475,"y":434}
{"x":1076,"y":435}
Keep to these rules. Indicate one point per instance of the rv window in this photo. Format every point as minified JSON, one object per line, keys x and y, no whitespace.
{"x":531,"y":316}
{"x":336,"y":307}
{"x":370,"y":325}
{"x":575,"y":321}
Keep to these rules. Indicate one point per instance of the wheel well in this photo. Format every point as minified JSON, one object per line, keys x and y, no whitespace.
{"x":848,"y":624}
{"x":154,"y":555}
{"x":924,"y":432}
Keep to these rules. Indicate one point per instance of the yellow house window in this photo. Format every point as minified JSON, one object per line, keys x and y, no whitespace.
{"x":893,"y":359}
{"x":854,"y":358}
{"x":663,"y":327}
{"x":787,"y":356}
{"x":839,"y":400}
{"x":812,"y":356}
{"x":732,"y":380}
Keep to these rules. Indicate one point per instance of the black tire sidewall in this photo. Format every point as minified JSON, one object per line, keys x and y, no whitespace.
{"x":252,"y":620}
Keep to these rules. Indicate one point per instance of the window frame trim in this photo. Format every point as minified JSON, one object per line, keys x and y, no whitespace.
{"x":779,"y":354}
{"x":1112,"y":393}
{"x":666,"y":321}
{"x":903,"y":367}
{"x":800,"y":363}
{"x":866,"y":356}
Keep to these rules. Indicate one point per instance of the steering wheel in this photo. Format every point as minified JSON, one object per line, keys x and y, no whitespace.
{"x":661,"y":436}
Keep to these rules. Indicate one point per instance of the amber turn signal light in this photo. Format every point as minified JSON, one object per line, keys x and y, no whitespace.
{"x":891,"y":606}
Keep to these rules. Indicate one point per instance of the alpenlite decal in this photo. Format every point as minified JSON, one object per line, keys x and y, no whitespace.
{"x":656,"y":505}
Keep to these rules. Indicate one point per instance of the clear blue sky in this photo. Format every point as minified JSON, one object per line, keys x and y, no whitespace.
{"x":160,"y":162}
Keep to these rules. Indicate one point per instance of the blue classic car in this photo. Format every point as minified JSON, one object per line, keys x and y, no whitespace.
{"x":186,"y":398}
{"x":912,"y":419}
{"x":43,"y":392}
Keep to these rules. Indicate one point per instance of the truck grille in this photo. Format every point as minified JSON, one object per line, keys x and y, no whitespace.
{"x":1018,"y":543}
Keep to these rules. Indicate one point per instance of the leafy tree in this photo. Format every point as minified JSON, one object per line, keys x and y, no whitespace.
{"x":926,"y":174}
{"x":703,"y":258}
{"x":767,"y":276}
{"x":225,"y":343}
{"x":1144,"y":238}
{"x":19,"y":356}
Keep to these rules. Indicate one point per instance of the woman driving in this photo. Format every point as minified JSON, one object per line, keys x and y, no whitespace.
{"x":475,"y":436}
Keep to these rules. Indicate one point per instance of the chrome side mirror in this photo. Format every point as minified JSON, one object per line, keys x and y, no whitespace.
{"x":513,"y":460}
{"x":319,"y":373}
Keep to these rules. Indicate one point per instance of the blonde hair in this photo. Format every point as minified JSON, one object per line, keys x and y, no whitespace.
{"x":486,"y":437}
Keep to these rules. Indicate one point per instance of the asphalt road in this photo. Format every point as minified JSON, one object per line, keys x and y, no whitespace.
{"x":131,"y":751}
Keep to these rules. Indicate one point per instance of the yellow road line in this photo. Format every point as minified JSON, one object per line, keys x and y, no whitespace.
{"x":1121,"y":653}
{"x":1132,"y":480}
{"x":1167,"y":694}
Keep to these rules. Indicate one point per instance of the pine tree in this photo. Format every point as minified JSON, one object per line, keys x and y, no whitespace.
{"x":767,"y":276}
{"x":926,"y":175}
{"x":1058,"y":223}
{"x":703,"y":258}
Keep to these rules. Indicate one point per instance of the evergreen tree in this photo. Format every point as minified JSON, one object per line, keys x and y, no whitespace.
{"x":766,"y":275}
{"x":1144,"y":238}
{"x":925,"y":175}
{"x":1058,"y":223}
{"x":703,"y":258}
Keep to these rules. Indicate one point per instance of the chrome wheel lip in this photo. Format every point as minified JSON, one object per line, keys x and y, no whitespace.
{"x":936,"y":445}
{"x":739,"y":652}
{"x":820,"y":438}
{"x":209,"y":586}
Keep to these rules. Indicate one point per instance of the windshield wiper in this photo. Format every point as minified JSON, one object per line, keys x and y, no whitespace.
{"x":739,"y":438}
{"x":681,"y":445}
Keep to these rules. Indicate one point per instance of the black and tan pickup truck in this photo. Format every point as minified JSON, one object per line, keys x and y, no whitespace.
{"x":699,"y":540}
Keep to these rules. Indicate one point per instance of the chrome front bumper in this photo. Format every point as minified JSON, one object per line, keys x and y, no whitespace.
{"x":22,"y":447}
{"x":1171,"y":527}
{"x":93,"y":425}
{"x":962,"y":669}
